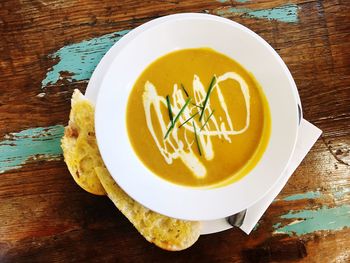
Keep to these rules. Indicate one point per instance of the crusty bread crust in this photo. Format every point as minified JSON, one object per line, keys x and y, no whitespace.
{"x":165,"y":232}
{"x":79,"y":145}
{"x":84,"y":162}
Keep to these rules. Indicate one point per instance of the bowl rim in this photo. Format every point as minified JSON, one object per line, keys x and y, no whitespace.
{"x":103,"y":143}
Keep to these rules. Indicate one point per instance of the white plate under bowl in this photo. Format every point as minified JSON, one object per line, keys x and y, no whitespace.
{"x":189,"y":31}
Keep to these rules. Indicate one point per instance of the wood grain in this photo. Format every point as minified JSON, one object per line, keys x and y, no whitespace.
{"x":46,"y":217}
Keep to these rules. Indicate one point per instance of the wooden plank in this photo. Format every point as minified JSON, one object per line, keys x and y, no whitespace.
{"x":46,"y":217}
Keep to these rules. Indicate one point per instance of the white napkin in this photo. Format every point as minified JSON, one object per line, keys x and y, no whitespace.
{"x":308,"y":135}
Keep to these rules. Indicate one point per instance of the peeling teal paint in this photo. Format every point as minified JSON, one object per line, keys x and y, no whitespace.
{"x":17,"y":148}
{"x":286,"y":13}
{"x":307,"y":195}
{"x":341,"y":193}
{"x":308,"y":221}
{"x":277,"y":225}
{"x":80,"y":59}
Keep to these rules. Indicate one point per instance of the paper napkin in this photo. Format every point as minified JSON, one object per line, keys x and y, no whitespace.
{"x":308,"y":135}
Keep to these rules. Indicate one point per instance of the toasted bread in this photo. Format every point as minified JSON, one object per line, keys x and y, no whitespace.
{"x":165,"y":232}
{"x":84,"y":162}
{"x":79,"y":145}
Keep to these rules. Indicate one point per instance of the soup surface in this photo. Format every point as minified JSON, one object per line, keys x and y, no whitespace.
{"x":196,"y":117}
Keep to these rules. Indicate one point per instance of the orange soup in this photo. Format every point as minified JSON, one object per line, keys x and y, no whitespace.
{"x":196,"y":117}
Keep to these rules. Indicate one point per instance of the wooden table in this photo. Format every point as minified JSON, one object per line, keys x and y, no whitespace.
{"x":50,"y":47}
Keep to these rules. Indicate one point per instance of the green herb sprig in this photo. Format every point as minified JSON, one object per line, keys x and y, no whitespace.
{"x":196,"y":139}
{"x":211,"y":86}
{"x":206,"y":121}
{"x":190,"y":118}
{"x":170,"y":112}
{"x":183,"y":88}
{"x":172,"y":125}
{"x":198,"y":106}
{"x":200,"y":111}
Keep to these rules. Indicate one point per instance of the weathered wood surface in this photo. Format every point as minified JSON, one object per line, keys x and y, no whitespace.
{"x":45,"y":217}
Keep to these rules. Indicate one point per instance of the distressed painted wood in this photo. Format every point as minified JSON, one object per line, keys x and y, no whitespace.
{"x":50,"y":47}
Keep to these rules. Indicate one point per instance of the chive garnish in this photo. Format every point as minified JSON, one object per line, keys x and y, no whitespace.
{"x":198,"y":106}
{"x":190,"y":118}
{"x":196,"y":138}
{"x":183,"y":87}
{"x":169,"y":110}
{"x":177,"y":118}
{"x":168,"y":131}
{"x":205,"y":123}
{"x":182,"y":109}
{"x":207,"y":97}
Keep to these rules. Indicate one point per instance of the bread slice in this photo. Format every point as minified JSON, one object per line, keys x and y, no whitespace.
{"x":165,"y":232}
{"x":84,"y":162}
{"x":79,"y":145}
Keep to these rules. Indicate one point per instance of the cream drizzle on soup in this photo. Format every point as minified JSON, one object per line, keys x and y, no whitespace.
{"x":195,"y":134}
{"x":182,"y":148}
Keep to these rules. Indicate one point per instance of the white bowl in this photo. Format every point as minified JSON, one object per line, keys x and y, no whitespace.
{"x":161,"y":36}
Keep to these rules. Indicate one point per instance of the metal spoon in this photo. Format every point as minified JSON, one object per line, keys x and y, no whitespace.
{"x":238,"y":219}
